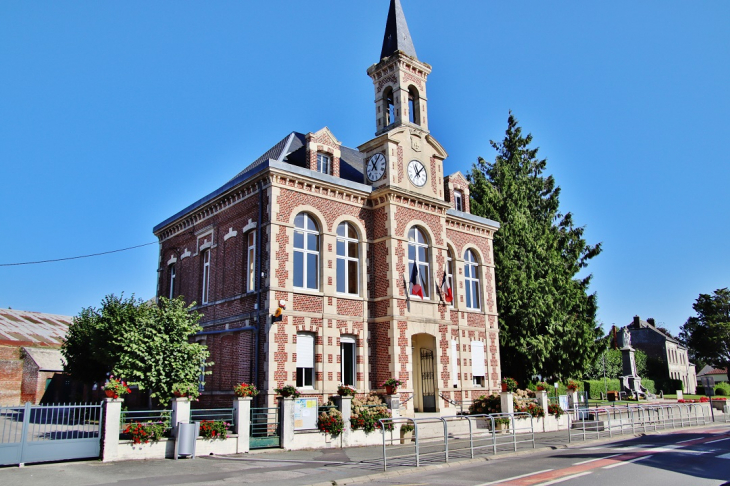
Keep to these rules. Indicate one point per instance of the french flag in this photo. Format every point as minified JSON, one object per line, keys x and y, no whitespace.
{"x":416,"y":288}
{"x":446,"y":289}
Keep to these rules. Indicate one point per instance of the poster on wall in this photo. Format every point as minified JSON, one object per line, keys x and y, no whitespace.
{"x":563,"y":400}
{"x":305,"y":413}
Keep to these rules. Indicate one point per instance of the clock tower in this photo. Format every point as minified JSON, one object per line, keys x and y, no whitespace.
{"x":403,"y":154}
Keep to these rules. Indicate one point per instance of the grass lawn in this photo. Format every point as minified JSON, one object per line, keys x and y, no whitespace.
{"x":687,"y":397}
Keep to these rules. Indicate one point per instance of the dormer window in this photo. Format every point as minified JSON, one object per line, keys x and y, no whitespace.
{"x":323,"y":163}
{"x":458,"y":201}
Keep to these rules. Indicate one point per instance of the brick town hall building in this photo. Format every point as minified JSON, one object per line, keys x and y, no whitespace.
{"x":334,"y":233}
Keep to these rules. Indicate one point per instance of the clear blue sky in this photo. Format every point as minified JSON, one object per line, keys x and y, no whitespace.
{"x":114,"y":116}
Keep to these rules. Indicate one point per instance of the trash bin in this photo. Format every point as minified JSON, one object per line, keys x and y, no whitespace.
{"x":185,"y":438}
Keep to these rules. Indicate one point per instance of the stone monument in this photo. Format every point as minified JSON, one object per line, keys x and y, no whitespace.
{"x":630,"y":380}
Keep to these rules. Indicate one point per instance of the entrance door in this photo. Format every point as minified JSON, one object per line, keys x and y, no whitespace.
{"x":428,"y":389}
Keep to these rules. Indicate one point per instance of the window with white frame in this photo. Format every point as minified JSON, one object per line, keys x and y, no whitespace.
{"x":171,"y":270}
{"x":251,"y":261}
{"x":305,"y":360}
{"x":306,"y":252}
{"x":418,"y":257}
{"x":348,"y":262}
{"x":477,"y":363}
{"x":348,"y":359}
{"x":206,"y":276}
{"x":458,"y":201}
{"x":454,"y":364}
{"x":450,"y":276}
{"x":323,"y":163}
{"x":471,"y":280}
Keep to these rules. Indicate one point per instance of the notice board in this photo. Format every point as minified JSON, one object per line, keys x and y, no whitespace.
{"x":305,"y":413}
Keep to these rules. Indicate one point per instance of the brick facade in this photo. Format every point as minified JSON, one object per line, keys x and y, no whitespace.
{"x":395,"y":334}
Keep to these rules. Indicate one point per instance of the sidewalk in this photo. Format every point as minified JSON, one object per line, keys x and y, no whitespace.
{"x":270,"y":467}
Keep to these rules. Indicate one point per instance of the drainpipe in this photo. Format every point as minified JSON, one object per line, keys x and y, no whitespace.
{"x":259,"y":279}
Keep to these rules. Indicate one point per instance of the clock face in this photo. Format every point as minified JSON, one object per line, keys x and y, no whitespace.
{"x":375,"y":167}
{"x":417,"y":173}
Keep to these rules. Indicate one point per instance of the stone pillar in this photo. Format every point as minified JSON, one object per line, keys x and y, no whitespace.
{"x":542,"y":400}
{"x":286,"y":419}
{"x":507,"y":402}
{"x":344,"y":405}
{"x":242,"y":414}
{"x":572,"y":399}
{"x":110,"y":431}
{"x":393,"y":402}
{"x":680,"y":394}
{"x":180,"y":412}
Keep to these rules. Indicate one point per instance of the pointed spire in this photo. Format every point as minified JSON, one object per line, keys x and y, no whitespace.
{"x":397,"y":37}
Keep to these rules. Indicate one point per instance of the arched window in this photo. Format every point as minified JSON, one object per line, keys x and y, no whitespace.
{"x":251,"y":261}
{"x":388,"y":106}
{"x":449,"y":280}
{"x":172,"y":273}
{"x":471,"y":280}
{"x":418,"y":258}
{"x":414,"y":106}
{"x":348,"y":261}
{"x":306,"y":252}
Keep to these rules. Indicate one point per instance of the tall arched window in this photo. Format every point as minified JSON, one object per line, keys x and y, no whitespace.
{"x":206,"y":276}
{"x":348,"y":261}
{"x":414,"y":106}
{"x":449,"y":279}
{"x":418,"y":257}
{"x":471,"y":280}
{"x":171,"y":270}
{"x":306,"y":252}
{"x":388,"y":106}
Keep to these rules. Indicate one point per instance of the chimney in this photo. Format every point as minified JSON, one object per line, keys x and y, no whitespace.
{"x":651,"y":321}
{"x":637,"y":321}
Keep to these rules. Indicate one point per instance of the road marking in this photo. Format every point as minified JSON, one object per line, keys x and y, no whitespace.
{"x":623,"y":463}
{"x":566,"y":478}
{"x":724,"y":456}
{"x":718,"y":440}
{"x":689,"y":440}
{"x":514,"y":477}
{"x":594,"y":460}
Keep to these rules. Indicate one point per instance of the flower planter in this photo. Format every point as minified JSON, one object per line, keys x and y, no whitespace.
{"x":179,"y":395}
{"x":405,"y":436}
{"x":111,"y":394}
{"x":390,"y":390}
{"x":504,"y":387}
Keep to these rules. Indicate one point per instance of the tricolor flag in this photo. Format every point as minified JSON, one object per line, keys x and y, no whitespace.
{"x":446,"y":292}
{"x":415,"y":282}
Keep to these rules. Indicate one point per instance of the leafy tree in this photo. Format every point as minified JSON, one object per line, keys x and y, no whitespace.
{"x":547,"y":318}
{"x":614,"y":365}
{"x":707,"y":335}
{"x":145,"y":344}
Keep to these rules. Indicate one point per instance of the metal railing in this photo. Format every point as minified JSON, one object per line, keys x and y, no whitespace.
{"x":454,"y":436}
{"x":226,"y":415}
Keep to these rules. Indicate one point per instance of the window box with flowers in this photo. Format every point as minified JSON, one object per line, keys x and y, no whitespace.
{"x":542,"y":386}
{"x":346,"y":391}
{"x":182,"y":390}
{"x":142,"y":433}
{"x":556,"y":410}
{"x":509,"y":384}
{"x":288,"y":391}
{"x":573,"y":386}
{"x":245,"y":390}
{"x":391,"y":385}
{"x":114,"y":388}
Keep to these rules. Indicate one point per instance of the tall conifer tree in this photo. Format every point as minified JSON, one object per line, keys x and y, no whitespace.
{"x":547,"y":317}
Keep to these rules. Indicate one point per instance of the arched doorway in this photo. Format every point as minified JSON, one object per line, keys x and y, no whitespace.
{"x":425,"y":385}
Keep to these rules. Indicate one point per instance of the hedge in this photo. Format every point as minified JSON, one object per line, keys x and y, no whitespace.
{"x":722,"y":389}
{"x":596,"y":387}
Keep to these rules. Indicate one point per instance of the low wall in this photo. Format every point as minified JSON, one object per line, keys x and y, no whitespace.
{"x":314,"y":439}
{"x":165,"y":448}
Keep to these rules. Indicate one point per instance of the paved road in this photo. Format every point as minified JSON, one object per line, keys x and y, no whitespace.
{"x":698,"y":457}
{"x":685,"y":457}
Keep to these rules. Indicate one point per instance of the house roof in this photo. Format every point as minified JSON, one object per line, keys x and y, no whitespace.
{"x":25,"y":328}
{"x":47,"y":359}
{"x":709,"y":370}
{"x":397,"y":37}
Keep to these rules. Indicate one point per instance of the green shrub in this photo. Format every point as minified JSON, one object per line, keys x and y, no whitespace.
{"x":722,"y":389}
{"x":649,"y":385}
{"x":596,"y":387}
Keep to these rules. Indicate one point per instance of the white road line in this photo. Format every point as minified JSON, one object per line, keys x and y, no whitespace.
{"x":689,"y":440}
{"x":724,"y":456}
{"x":566,"y":478}
{"x":718,"y":440}
{"x":594,"y":460}
{"x":676,"y":451}
{"x":623,"y":463}
{"x":514,"y":477}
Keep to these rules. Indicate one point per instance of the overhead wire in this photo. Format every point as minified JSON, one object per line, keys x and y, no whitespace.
{"x":75,"y":257}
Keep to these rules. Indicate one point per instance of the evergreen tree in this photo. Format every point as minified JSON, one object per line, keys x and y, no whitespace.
{"x":547,"y":318}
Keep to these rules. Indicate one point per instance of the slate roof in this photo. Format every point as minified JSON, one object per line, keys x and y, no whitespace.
{"x":24,"y":328}
{"x":397,"y":37}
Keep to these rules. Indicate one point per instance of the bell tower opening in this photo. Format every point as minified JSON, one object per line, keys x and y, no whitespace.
{"x":414,"y":106}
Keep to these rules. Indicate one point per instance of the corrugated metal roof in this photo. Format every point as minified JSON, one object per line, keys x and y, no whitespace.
{"x":47,"y":359}
{"x":32,"y":328}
